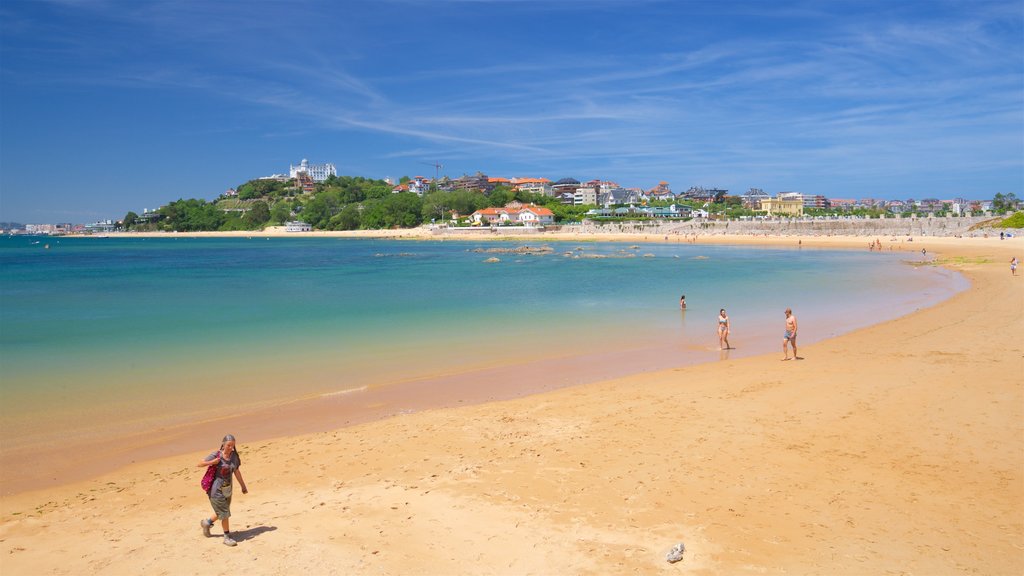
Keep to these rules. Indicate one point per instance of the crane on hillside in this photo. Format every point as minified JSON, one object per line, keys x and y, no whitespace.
{"x":437,"y":170}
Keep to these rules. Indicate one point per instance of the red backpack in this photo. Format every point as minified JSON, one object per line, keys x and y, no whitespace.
{"x":211,"y":473}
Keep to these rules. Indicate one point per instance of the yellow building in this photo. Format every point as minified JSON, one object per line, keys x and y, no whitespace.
{"x":783,"y":206}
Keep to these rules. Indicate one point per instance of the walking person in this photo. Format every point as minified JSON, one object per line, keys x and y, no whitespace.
{"x":1013,"y":265}
{"x":723,"y":330}
{"x":227,"y":464}
{"x":790,"y":335}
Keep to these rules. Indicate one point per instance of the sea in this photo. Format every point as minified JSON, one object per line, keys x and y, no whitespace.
{"x":105,"y":336}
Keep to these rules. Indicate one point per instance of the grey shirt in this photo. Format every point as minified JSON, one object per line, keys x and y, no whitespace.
{"x":225,"y":472}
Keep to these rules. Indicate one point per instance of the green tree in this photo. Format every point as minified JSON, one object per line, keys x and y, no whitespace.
{"x":373,"y":216}
{"x":376,"y":189}
{"x":500,"y":196}
{"x":404,"y":209}
{"x":1003,"y":202}
{"x":129,"y":220}
{"x":192,"y":215}
{"x":281,"y":212}
{"x":568,"y":213}
{"x":316,"y":212}
{"x":232,"y":222}
{"x":347,"y":219}
{"x":258,"y":215}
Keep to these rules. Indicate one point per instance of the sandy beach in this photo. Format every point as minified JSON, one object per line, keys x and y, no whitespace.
{"x":895,"y":449}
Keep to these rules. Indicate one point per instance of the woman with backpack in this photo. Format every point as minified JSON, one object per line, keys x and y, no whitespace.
{"x":220,"y":467}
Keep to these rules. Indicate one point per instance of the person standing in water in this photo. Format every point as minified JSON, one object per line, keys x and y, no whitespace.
{"x":682,"y":302}
{"x":723,"y":330}
{"x":790,"y":335}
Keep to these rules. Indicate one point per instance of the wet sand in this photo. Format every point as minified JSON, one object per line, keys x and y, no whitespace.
{"x":894,"y":449}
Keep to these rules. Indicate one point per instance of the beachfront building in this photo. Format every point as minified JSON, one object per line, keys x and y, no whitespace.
{"x":514,"y":213}
{"x":533,"y":215}
{"x":673,"y":211}
{"x":784,"y":204}
{"x":297,"y":226}
{"x":316,"y":172}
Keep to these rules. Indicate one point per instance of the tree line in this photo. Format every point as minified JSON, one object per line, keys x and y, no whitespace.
{"x":338,"y":203}
{"x":354,"y":203}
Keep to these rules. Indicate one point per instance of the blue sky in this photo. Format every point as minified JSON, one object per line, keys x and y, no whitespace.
{"x":108,"y":106}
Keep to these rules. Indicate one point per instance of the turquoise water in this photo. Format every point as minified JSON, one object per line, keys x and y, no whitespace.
{"x":101,"y":330}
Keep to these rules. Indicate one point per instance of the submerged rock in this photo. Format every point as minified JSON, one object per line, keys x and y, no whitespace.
{"x":516,"y":250}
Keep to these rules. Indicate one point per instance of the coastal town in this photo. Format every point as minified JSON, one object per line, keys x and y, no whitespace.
{"x":499,"y":203}
{"x":510,"y":287}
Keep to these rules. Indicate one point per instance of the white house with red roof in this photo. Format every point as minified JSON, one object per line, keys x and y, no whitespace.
{"x":515,"y":213}
{"x":418,"y":185}
{"x":533,"y":215}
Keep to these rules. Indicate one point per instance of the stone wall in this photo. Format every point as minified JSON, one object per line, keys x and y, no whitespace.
{"x":869,"y":227}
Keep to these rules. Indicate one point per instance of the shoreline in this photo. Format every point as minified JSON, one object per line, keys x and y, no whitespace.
{"x":100,"y":448}
{"x":708,"y":424}
{"x":891,"y":240}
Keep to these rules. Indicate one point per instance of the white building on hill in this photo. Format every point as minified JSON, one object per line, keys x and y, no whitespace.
{"x":318,"y":172}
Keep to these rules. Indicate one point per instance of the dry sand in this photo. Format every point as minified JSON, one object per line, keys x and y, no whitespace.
{"x":896,"y":449}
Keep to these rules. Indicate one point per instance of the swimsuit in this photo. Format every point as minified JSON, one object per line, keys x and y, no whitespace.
{"x":789,"y":335}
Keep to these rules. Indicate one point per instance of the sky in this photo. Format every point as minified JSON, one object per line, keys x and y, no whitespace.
{"x":110,"y":106}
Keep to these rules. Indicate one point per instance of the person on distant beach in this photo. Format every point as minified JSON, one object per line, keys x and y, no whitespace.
{"x":1013,"y":265}
{"x":228,"y":463}
{"x":790,"y":335}
{"x":723,"y":330}
{"x":682,"y":302}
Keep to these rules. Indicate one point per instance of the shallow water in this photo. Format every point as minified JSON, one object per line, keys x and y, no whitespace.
{"x":107,"y":336}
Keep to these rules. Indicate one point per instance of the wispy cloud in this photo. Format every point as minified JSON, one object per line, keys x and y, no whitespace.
{"x":798,"y":94}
